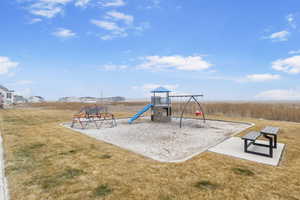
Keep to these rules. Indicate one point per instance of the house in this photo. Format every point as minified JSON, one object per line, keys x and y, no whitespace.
{"x":91,"y":99}
{"x":6,"y":96}
{"x":69,"y":99}
{"x":19,"y":99}
{"x":36,"y":99}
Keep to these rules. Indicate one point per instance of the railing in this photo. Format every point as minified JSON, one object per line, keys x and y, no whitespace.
{"x":160,"y":100}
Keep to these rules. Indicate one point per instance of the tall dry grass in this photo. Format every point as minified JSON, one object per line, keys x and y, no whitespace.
{"x":271,"y":111}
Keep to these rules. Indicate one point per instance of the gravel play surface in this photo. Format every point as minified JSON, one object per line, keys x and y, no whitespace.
{"x":165,"y":142}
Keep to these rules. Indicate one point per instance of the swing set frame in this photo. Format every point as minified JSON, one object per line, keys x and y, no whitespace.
{"x":190,"y":98}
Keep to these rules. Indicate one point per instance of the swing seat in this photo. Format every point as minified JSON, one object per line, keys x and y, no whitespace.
{"x":198,"y":113}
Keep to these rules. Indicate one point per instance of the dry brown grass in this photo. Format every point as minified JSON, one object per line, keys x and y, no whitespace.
{"x":272,"y":111}
{"x":281,"y":111}
{"x":47,"y":161}
{"x":77,"y":105}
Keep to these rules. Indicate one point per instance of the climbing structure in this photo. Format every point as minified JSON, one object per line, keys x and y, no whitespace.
{"x":162,"y":108}
{"x":161,"y":105}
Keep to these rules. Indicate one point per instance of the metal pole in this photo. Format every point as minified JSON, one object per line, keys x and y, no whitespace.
{"x":185,"y":105}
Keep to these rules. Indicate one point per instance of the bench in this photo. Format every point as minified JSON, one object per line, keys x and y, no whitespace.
{"x":253,"y":135}
{"x":269,"y":133}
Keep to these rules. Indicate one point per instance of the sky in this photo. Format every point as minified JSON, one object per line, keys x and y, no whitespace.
{"x":224,"y":49}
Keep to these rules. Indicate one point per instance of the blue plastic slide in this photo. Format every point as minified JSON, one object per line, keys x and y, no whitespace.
{"x":137,"y":115}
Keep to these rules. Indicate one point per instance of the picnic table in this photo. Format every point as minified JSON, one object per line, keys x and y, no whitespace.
{"x":269,"y":132}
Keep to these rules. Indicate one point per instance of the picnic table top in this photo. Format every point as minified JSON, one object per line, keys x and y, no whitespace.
{"x":251,"y":135}
{"x":270,"y":130}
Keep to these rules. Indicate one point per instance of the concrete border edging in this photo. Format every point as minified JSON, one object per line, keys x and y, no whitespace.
{"x":4,"y":194}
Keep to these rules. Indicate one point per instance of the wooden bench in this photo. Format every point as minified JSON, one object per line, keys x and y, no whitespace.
{"x":269,"y":133}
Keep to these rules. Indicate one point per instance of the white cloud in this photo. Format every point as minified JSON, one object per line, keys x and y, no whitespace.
{"x":35,"y":20}
{"x":82,"y":3}
{"x":56,"y":1}
{"x":113,"y":67}
{"x":294,"y":52}
{"x":6,"y":65}
{"x":279,"y":95}
{"x":115,"y":31}
{"x":112,"y":3}
{"x":49,"y":12}
{"x":142,"y":27}
{"x":46,"y":8}
{"x":279,"y":36}
{"x":262,"y":77}
{"x":153,"y":4}
{"x":128,"y":19}
{"x":112,"y":36}
{"x":189,"y":63}
{"x":107,"y":37}
{"x":291,"y":20}
{"x":50,"y":8}
{"x":110,"y":26}
{"x":118,"y":25}
{"x":64,"y":33}
{"x":290,"y":65}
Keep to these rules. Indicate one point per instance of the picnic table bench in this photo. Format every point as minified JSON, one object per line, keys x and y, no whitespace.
{"x":269,"y":132}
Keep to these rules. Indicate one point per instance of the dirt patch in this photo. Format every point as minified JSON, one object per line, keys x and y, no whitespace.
{"x":165,"y":142}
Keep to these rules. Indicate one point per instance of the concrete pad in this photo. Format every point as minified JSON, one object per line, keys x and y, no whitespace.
{"x":235,"y":147}
{"x":165,"y":142}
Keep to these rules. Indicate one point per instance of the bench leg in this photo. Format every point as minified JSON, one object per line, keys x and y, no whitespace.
{"x":245,"y":146}
{"x":269,"y":146}
{"x":275,"y":141}
{"x":73,"y":122}
{"x":270,"y":138}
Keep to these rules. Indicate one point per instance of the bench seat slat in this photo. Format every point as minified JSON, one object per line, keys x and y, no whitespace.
{"x":270,"y":130}
{"x":253,"y":135}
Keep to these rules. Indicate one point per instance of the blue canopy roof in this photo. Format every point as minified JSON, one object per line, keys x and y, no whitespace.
{"x":160,"y":89}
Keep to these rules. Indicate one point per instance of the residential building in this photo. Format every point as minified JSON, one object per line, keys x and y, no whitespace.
{"x":6,"y":96}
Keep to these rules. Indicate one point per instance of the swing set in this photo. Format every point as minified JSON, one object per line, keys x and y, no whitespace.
{"x":164,"y":106}
{"x":181,"y":104}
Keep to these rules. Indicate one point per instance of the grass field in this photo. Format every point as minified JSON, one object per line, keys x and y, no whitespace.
{"x":47,"y":161}
{"x":283,"y":111}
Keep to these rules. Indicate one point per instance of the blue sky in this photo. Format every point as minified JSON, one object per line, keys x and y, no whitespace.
{"x":228,"y":50}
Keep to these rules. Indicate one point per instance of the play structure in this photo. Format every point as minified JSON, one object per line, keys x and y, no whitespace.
{"x":96,"y":115}
{"x":164,"y":106}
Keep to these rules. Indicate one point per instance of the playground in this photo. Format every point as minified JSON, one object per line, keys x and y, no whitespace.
{"x":166,"y":136}
{"x":165,"y":142}
{"x":45,"y":160}
{"x":169,"y":136}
